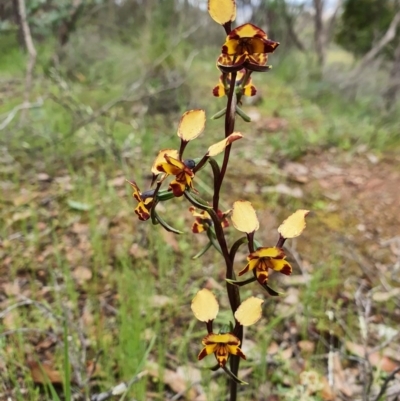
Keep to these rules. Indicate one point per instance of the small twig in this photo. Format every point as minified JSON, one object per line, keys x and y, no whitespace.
{"x":389,"y":35}
{"x":27,"y":330}
{"x":386,"y":382}
{"x":177,"y":396}
{"x":385,"y":343}
{"x":296,"y":256}
{"x":331,"y":376}
{"x":16,"y":109}
{"x":14,"y":306}
{"x":30,"y":48}
{"x":94,"y":366}
{"x":364,"y":310}
{"x":75,"y":361}
{"x":41,"y":306}
{"x":27,"y":301}
{"x":119,"y":389}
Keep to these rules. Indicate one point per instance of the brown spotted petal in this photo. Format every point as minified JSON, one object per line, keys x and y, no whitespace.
{"x":230,"y":63}
{"x":248,"y":39}
{"x":246,"y":46}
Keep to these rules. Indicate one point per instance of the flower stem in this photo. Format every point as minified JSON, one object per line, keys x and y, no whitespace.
{"x":229,"y":127}
{"x":233,"y":291}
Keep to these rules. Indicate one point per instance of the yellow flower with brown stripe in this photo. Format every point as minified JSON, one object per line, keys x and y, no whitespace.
{"x":246,"y":46}
{"x":145,"y":201}
{"x":267,"y":258}
{"x":181,"y":170}
{"x":203,"y":220}
{"x":221,"y":345}
{"x":205,"y":308}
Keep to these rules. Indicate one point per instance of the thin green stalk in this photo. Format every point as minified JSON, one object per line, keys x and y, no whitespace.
{"x":67,"y":371}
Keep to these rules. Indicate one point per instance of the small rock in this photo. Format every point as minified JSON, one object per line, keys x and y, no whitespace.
{"x":284,"y":190}
{"x":297,"y":172}
{"x":43,"y":177}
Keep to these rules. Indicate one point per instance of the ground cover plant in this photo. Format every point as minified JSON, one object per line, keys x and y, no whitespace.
{"x":96,"y":305}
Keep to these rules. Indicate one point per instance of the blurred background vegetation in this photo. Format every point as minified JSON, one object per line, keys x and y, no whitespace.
{"x":88,"y":95}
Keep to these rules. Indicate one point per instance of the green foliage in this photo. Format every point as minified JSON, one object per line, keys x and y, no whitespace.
{"x":277,"y":14}
{"x":363,"y":22}
{"x":46,"y":17}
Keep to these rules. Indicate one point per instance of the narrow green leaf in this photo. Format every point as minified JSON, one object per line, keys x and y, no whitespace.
{"x":166,"y":225}
{"x":140,"y":367}
{"x":67,"y":367}
{"x":240,"y":283}
{"x":235,"y":247}
{"x":216,"y":170}
{"x":242,"y":114}
{"x":165,"y":195}
{"x":213,"y":240}
{"x":215,"y":367}
{"x":203,"y":251}
{"x":49,"y":385}
{"x":234,"y":377}
{"x":219,"y":114}
{"x":271,"y":291}
{"x":153,"y":214}
{"x":195,"y":200}
{"x":83,"y":207}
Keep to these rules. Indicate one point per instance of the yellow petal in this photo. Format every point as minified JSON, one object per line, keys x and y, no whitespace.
{"x":136,"y":191}
{"x":174,"y":161}
{"x":268,"y":253}
{"x":142,"y":211}
{"x":205,"y":306}
{"x":226,"y":338}
{"x":244,"y":217}
{"x":207,"y":350}
{"x":161,"y":159}
{"x":294,"y":225}
{"x":168,"y":169}
{"x":248,"y":31}
{"x":281,"y":265}
{"x":219,"y":90}
{"x":249,"y":311}
{"x":230,"y":47}
{"x":250,"y":90}
{"x":192,"y":124}
{"x":235,"y":350}
{"x":220,"y":146}
{"x":222,"y":11}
